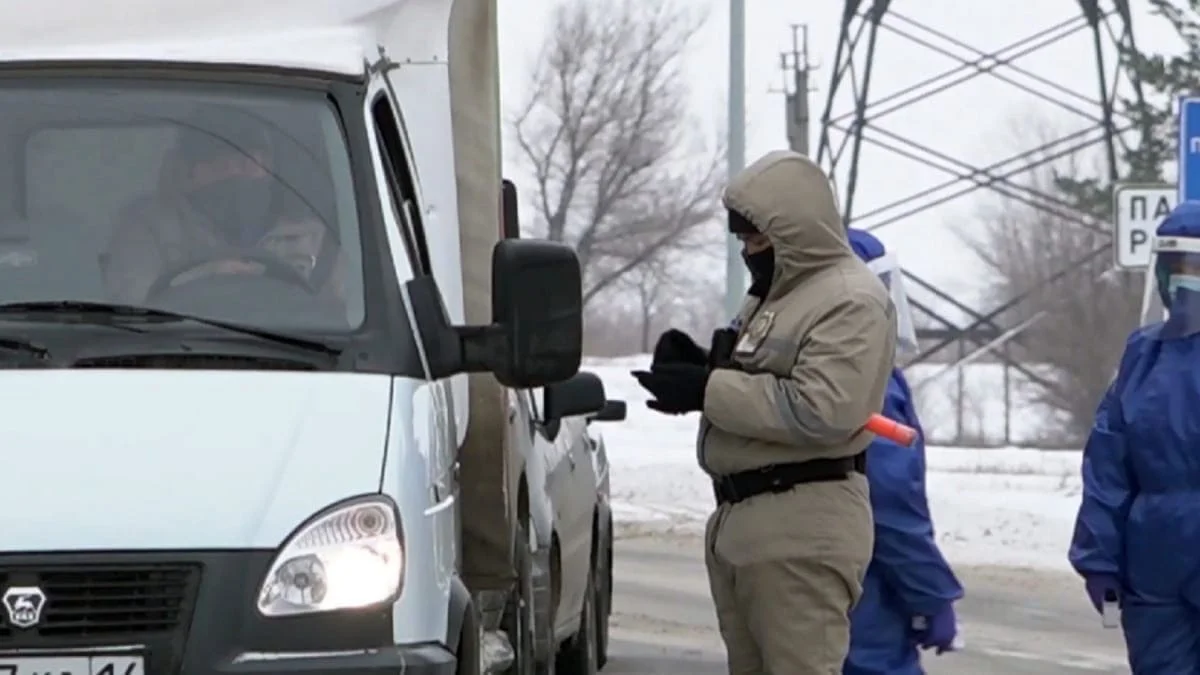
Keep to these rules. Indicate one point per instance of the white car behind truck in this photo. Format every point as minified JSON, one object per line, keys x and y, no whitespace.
{"x":569,"y":571}
{"x":291,"y":453}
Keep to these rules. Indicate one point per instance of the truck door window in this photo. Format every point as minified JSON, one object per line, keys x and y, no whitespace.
{"x":400,"y":185}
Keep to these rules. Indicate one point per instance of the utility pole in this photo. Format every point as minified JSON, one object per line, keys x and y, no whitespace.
{"x":735,"y":273}
{"x":796,"y":68}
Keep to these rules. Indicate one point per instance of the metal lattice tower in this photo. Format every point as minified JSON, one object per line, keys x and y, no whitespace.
{"x":844,"y":133}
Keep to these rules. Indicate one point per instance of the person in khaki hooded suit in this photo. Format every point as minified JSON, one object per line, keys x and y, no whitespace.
{"x":781,"y":426}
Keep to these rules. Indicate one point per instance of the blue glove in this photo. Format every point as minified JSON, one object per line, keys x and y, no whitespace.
{"x":939,"y":630}
{"x":1102,"y":588}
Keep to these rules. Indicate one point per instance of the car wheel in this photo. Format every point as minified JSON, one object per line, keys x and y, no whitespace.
{"x":603,"y":602}
{"x":519,"y":617}
{"x":579,"y":655}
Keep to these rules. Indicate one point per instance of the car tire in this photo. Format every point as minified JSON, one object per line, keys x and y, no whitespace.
{"x":519,"y":619}
{"x":579,"y":655}
{"x":604,"y":589}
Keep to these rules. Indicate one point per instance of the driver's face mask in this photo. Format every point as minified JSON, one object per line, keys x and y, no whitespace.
{"x":239,"y":208}
{"x":234,"y":192}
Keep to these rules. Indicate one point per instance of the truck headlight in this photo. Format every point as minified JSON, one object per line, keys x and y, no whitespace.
{"x":348,"y":557}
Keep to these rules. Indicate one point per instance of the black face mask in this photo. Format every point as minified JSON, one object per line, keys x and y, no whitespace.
{"x":762,"y":269}
{"x":239,"y":208}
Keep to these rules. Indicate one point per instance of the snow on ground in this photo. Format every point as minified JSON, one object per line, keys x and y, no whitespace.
{"x":996,"y":506}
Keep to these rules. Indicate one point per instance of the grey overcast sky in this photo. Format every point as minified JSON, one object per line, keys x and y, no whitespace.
{"x":978,"y":122}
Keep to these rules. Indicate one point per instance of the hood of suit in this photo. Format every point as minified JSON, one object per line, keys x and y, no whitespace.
{"x":787,"y":197}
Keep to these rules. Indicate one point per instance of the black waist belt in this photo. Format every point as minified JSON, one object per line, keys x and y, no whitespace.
{"x":777,"y":478}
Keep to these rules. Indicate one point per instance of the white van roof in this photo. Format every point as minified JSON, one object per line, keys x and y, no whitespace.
{"x":335,"y":36}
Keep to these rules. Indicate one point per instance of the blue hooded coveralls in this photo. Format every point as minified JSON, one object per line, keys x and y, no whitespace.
{"x":1139,"y":520}
{"x":907,"y":577}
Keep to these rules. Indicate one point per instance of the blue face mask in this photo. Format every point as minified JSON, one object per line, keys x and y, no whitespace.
{"x":1185,"y":282}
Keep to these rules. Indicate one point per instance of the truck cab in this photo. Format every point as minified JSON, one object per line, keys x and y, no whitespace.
{"x":249,"y":260}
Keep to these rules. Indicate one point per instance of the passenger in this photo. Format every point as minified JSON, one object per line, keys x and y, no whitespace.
{"x":1137,"y":534}
{"x":784,"y":396}
{"x":218,"y":196}
{"x":909,"y":591}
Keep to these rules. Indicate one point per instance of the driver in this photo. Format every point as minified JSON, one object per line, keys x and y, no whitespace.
{"x":218,"y":194}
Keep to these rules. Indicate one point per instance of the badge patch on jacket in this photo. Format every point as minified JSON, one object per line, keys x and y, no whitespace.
{"x":753,"y":338}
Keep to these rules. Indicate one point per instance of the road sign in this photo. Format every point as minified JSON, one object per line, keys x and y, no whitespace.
{"x":1189,"y":148}
{"x":1137,"y":212}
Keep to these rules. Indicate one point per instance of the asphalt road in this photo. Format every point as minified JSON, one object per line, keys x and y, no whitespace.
{"x":1015,"y":622}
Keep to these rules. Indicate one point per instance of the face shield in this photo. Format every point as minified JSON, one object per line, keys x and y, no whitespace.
{"x":888,"y":270}
{"x":1176,"y":266}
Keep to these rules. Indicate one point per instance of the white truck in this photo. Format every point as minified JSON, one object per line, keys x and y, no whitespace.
{"x":261,"y":335}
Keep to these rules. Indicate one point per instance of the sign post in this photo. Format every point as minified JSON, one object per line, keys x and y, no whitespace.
{"x":1189,"y":148}
{"x":1137,"y":212}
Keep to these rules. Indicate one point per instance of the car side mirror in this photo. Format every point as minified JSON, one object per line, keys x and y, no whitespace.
{"x":583,"y":394}
{"x":613,"y":411}
{"x":536,"y":335}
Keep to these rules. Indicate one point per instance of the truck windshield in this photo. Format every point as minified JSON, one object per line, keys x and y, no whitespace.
{"x":229,"y":203}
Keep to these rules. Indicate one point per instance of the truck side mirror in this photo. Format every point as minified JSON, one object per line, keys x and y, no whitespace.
{"x":537,"y":303}
{"x":510,"y":216}
{"x":583,"y":394}
{"x":536,"y":335}
{"x":613,"y":411}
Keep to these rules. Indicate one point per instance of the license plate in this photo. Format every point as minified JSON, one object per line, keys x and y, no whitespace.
{"x":114,"y":664}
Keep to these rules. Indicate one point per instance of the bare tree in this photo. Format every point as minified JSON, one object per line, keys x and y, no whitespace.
{"x":673,"y":292}
{"x":619,"y":172}
{"x":652,"y":284}
{"x":1079,"y":309}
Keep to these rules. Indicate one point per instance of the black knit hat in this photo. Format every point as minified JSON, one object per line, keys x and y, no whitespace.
{"x":739,"y":224}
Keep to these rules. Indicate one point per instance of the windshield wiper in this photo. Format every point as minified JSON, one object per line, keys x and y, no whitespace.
{"x":18,"y":345}
{"x":117,"y":310}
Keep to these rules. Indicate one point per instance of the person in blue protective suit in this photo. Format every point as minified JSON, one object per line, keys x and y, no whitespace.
{"x":909,"y":591}
{"x":1137,"y":534}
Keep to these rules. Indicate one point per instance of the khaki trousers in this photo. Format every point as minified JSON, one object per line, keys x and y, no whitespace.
{"x":785,"y":571}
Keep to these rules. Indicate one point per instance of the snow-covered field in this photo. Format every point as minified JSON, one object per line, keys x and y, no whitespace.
{"x":997,"y":506}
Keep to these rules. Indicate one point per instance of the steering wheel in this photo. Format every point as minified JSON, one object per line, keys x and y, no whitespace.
{"x":272,"y":268}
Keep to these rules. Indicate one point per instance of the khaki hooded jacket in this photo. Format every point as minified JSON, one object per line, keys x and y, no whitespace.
{"x":816,"y":353}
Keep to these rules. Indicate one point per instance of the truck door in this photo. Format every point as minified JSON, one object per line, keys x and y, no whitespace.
{"x":404,"y":213}
{"x":437,"y":186}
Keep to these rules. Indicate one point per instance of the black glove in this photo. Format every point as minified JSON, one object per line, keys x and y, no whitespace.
{"x":678,"y":388}
{"x":676,"y":346}
{"x":720,"y":353}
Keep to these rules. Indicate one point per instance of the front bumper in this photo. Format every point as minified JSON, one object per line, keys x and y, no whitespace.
{"x":193,"y":612}
{"x":411,"y":659}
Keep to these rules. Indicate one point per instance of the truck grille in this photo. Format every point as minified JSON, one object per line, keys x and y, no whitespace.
{"x":103,"y":602}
